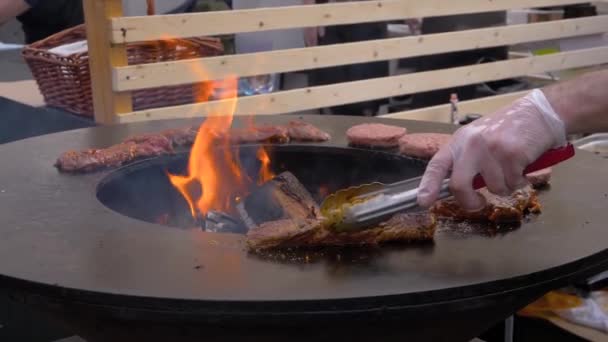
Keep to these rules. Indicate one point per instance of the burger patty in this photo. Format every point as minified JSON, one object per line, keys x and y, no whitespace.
{"x":375,"y":135}
{"x":422,"y":145}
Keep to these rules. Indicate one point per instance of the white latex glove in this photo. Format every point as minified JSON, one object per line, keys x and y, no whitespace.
{"x":499,"y":147}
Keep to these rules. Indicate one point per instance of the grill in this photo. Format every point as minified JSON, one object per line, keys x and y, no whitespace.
{"x":90,"y":250}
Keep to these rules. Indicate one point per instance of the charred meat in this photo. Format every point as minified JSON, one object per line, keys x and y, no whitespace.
{"x":282,"y":214}
{"x":303,"y":233}
{"x":510,"y":209}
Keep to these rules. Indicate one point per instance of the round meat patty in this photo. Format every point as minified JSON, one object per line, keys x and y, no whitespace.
{"x":422,"y":145}
{"x":375,"y":135}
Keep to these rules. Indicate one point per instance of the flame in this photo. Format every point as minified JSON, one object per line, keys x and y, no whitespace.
{"x":265,"y":172}
{"x":212,"y":165}
{"x":215,"y":178}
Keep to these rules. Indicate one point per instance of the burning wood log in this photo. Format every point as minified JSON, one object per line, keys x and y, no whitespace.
{"x":283,"y":197}
{"x":218,"y":222}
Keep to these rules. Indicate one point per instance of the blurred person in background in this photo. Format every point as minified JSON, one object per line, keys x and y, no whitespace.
{"x":252,"y":42}
{"x":347,"y":34}
{"x":42,"y":18}
{"x":453,"y":23}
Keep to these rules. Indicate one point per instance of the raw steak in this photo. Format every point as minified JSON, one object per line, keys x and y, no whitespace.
{"x":303,"y":131}
{"x":114,"y":156}
{"x":260,"y":134}
{"x":181,"y":136}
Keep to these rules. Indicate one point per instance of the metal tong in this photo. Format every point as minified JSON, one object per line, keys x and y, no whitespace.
{"x":363,"y":206}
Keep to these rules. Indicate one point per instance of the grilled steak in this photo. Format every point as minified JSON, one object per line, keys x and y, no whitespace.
{"x":375,"y":135}
{"x":114,"y":156}
{"x":177,"y":137}
{"x":181,"y":136}
{"x":260,"y":134}
{"x":311,"y":233}
{"x":539,"y":178}
{"x":510,"y":209}
{"x":302,"y":131}
{"x":155,"y":144}
{"x":422,"y":145}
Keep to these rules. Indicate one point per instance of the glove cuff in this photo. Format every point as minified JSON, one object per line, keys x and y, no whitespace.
{"x":553,"y":121}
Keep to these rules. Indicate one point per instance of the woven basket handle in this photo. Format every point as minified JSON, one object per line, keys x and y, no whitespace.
{"x":151,"y":7}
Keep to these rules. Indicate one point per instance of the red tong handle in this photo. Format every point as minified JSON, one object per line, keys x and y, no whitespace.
{"x":546,"y":160}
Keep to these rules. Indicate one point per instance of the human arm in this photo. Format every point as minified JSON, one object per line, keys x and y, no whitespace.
{"x":500,"y":146}
{"x":582,"y":102}
{"x":12,"y":8}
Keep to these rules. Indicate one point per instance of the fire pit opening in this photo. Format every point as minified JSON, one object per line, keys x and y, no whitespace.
{"x":143,"y":190}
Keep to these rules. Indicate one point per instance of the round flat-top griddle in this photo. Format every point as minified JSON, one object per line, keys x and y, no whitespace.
{"x":59,"y":241}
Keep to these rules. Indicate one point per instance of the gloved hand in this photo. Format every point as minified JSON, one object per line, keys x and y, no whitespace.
{"x":499,"y":147}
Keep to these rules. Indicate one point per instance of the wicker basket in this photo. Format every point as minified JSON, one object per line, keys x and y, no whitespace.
{"x":65,"y":81}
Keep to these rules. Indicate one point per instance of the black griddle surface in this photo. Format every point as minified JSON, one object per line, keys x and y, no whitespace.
{"x":57,"y":237}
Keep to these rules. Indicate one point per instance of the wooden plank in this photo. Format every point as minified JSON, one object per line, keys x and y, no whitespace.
{"x":102,"y":58}
{"x":441,"y":113}
{"x":486,"y":105}
{"x":139,"y":28}
{"x":366,"y":90}
{"x":180,"y":72}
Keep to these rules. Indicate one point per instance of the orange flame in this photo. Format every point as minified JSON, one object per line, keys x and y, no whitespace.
{"x":212,"y":165}
{"x":215,"y":178}
{"x":265,"y":172}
